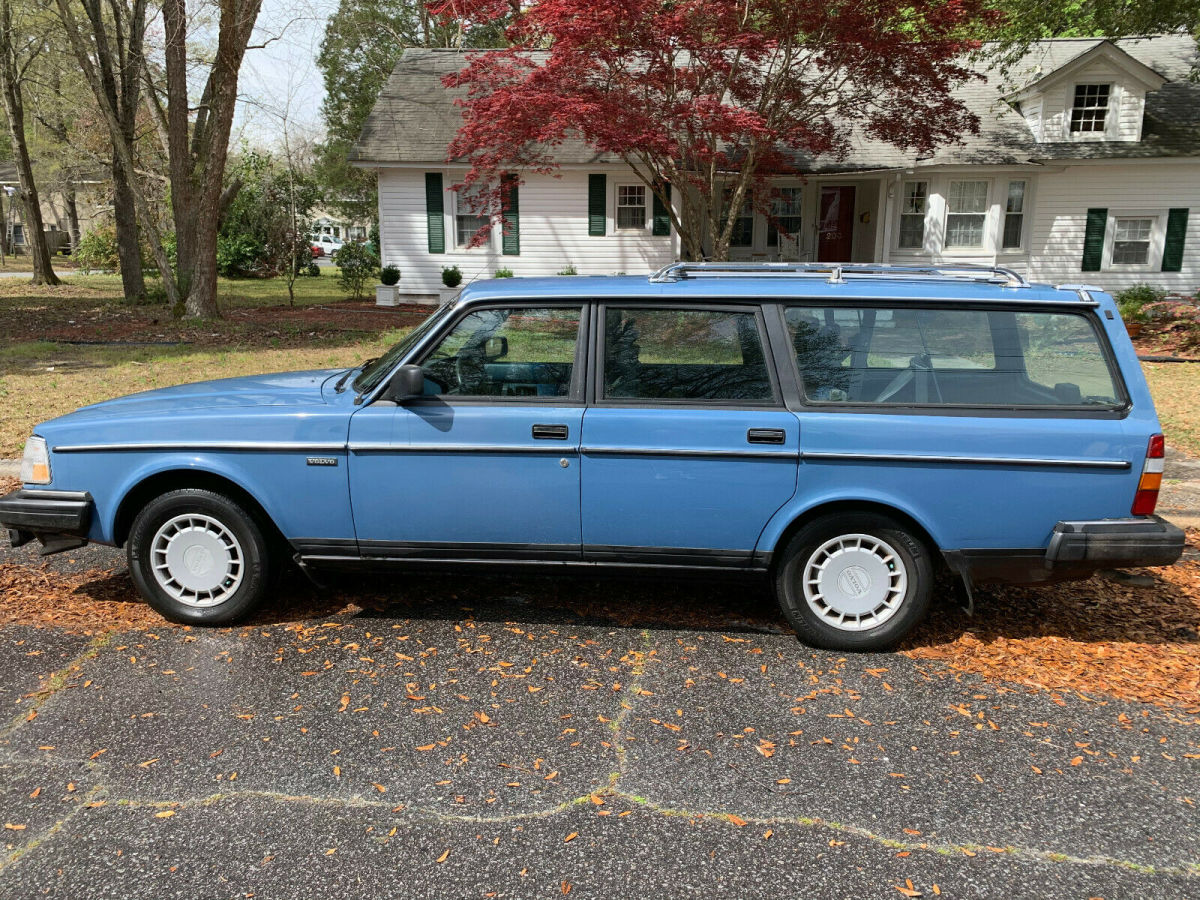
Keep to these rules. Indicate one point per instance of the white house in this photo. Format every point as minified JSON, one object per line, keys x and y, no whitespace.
{"x":1086,"y":168}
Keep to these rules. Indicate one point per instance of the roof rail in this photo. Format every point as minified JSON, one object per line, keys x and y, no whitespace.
{"x":839,"y":273}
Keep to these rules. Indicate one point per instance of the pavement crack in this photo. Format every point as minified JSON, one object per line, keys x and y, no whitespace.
{"x":634,"y":690}
{"x":56,"y":683}
{"x":33,"y":843}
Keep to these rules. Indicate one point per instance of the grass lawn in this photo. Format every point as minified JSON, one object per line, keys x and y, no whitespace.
{"x":1176,"y":390}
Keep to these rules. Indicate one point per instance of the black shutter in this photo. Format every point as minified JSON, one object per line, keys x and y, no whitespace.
{"x":1093,"y":240}
{"x":597,"y":204}
{"x":434,"y":212}
{"x":662,"y":218}
{"x":1172,"y":260}
{"x":510,"y":242}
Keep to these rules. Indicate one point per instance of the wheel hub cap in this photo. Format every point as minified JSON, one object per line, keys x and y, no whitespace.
{"x":197,"y":560}
{"x":855,"y":582}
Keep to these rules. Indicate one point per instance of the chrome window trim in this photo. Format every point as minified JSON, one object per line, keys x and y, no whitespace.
{"x":968,"y":460}
{"x":280,"y":446}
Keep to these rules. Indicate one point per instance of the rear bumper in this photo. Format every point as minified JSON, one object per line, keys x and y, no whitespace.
{"x":1115,"y":543}
{"x":43,"y":514}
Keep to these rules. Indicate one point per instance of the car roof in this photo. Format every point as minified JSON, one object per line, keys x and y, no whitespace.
{"x":773,"y":287}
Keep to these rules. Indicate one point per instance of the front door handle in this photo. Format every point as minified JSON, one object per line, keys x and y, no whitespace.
{"x":765,"y":436}
{"x":550,"y":432}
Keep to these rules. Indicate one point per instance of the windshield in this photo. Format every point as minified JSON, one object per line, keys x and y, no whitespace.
{"x":376,"y":370}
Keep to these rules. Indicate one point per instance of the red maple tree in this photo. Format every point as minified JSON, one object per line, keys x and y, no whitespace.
{"x":713,"y":97}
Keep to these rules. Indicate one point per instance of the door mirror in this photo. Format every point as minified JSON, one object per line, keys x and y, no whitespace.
{"x":408,"y":382}
{"x":496,"y":348}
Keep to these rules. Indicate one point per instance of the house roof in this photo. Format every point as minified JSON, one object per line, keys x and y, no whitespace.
{"x":415,"y":118}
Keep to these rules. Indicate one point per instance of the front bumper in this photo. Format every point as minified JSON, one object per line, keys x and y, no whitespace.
{"x":1115,"y":543}
{"x":51,"y":516}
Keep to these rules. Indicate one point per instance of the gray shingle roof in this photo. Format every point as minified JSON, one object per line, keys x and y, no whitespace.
{"x":415,"y":118}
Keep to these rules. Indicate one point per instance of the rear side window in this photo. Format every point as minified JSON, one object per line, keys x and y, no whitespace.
{"x":951,"y":357}
{"x":684,"y":354}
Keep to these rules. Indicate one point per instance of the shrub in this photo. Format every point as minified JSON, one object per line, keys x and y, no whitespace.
{"x":1131,"y":302}
{"x":503,"y":273}
{"x":98,"y":250}
{"x":389,"y":275}
{"x":237,"y":255}
{"x":313,"y":269}
{"x":569,"y":269}
{"x":451,"y":276}
{"x":356,"y":263}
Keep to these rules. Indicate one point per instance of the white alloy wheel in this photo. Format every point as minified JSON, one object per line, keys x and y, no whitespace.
{"x":197,"y":560}
{"x":854,"y":582}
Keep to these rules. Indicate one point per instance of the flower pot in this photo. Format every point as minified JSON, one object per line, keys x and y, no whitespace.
{"x":448,"y":294}
{"x":1134,"y":328}
{"x":387,"y":295}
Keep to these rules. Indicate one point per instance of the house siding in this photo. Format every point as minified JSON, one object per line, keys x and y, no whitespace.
{"x":553,"y":232}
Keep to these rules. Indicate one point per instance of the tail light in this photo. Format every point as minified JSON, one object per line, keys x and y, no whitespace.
{"x":1152,"y":472}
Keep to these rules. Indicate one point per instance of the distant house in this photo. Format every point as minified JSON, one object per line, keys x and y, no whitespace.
{"x":66,"y":215}
{"x":1086,"y":169}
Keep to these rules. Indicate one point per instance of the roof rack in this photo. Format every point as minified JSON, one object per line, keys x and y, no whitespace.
{"x":839,"y":273}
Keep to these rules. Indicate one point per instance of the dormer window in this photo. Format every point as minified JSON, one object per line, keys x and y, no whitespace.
{"x":1090,"y":109}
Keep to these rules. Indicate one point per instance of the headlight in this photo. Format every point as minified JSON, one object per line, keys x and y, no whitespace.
{"x":35,"y":466}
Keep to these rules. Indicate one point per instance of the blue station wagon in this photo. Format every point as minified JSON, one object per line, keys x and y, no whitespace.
{"x":844,"y":431}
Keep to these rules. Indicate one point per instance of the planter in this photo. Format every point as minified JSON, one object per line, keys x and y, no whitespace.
{"x":387,"y":295}
{"x":1134,"y":328}
{"x":448,"y":295}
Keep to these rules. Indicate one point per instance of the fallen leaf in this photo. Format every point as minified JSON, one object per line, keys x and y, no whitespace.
{"x":570,"y":837}
{"x":445,"y":855}
{"x":165,"y":814}
{"x":737,"y":820}
{"x":12,"y":827}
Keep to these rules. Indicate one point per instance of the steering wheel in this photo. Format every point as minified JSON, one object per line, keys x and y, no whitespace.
{"x":469,"y":371}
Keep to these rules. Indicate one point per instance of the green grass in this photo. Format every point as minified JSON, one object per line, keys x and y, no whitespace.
{"x":1176,"y":391}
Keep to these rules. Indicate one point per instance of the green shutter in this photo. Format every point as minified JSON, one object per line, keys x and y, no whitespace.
{"x":1173,"y":245}
{"x":1093,"y":240}
{"x":434,"y":219}
{"x":597,"y":191}
{"x":662,"y":218}
{"x":510,"y":241}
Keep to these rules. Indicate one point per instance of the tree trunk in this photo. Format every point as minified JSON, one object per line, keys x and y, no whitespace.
{"x":133,"y":282}
{"x":73,"y":216}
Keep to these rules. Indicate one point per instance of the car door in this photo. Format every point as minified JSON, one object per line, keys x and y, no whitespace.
{"x":687,"y":448}
{"x":485,"y":464}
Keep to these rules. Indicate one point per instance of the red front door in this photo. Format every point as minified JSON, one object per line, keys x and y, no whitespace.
{"x":835,"y":241}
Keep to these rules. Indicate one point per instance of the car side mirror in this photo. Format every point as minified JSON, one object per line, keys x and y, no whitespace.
{"x":408,"y":382}
{"x":496,"y":348}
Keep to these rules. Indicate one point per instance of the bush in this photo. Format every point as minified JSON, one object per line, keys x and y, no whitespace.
{"x":389,"y":275}
{"x":1131,"y":302}
{"x":313,"y":269}
{"x":355,"y":265}
{"x":98,"y":250}
{"x":503,"y":273}
{"x":568,"y":269}
{"x":237,"y":255}
{"x":451,"y":276}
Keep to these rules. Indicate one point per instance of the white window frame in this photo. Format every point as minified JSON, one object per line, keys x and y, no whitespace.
{"x":900,"y":214}
{"x":987,"y":240}
{"x":617,"y":207}
{"x":488,"y":245}
{"x":1158,"y":234}
{"x":1111,"y":112}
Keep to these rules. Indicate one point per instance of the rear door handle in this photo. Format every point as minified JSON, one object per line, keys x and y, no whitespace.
{"x":765,"y":436}
{"x":550,"y":432}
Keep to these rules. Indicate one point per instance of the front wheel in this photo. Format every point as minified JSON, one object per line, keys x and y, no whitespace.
{"x":853,"y":582}
{"x":198,"y":557}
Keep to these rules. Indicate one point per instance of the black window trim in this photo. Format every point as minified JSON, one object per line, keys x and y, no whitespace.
{"x":1089,"y":314}
{"x":753,"y":306}
{"x":575,"y":395}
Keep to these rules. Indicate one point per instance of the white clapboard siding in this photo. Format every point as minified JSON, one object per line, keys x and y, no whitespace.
{"x":553,"y":232}
{"x":1060,"y":219}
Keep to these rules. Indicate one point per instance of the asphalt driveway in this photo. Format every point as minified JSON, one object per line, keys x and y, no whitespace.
{"x":543,"y":737}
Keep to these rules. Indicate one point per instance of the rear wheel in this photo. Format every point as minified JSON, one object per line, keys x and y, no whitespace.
{"x":198,"y":557}
{"x":854,"y":582}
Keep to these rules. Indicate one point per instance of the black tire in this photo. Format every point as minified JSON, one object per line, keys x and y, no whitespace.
{"x":196,"y":538}
{"x":874,"y":600}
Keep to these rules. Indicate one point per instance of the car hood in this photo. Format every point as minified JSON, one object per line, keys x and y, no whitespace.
{"x":285,"y":389}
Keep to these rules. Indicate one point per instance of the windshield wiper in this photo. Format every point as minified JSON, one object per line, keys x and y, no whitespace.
{"x":341,"y":382}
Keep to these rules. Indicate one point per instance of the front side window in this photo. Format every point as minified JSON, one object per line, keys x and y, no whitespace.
{"x":470,"y":214}
{"x":949,"y":357}
{"x":966,"y":212}
{"x":631,"y":206}
{"x":785,"y":215}
{"x":1131,"y":240}
{"x":1090,"y":109}
{"x":518,"y":352}
{"x":913,"y":204}
{"x":689,"y":354}
{"x":1014,"y":216}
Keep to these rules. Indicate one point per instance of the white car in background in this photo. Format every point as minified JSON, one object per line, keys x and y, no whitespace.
{"x":328,"y":243}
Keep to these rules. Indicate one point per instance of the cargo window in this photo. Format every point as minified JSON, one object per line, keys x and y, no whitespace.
{"x":950,"y":357}
{"x":684,"y":354}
